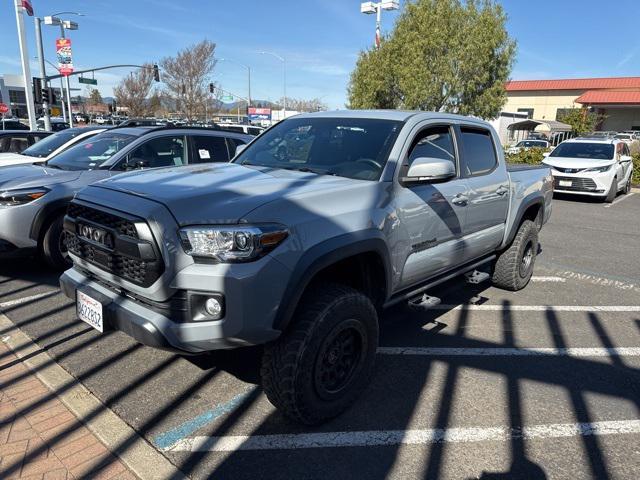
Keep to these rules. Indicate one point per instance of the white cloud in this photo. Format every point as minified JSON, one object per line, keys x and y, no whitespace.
{"x":326,"y":69}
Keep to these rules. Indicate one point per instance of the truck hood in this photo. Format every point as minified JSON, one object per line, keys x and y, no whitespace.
{"x":8,"y":159}
{"x":28,"y":176}
{"x":567,"y":162}
{"x":219,"y":193}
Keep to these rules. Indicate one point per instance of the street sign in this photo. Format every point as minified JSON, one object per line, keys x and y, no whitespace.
{"x":4,"y":108}
{"x":227,"y":98}
{"x":88,"y":81}
{"x":65,"y":60}
{"x":259,"y":114}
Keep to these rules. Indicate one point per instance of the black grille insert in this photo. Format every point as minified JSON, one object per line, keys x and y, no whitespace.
{"x":574,"y":184}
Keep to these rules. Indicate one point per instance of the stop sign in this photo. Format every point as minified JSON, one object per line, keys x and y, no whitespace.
{"x":3,"y":108}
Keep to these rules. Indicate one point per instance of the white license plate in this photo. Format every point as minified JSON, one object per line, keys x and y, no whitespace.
{"x":565,"y":183}
{"x":89,"y":311}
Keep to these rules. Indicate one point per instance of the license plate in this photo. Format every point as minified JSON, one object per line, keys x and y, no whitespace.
{"x":565,"y":183}
{"x":89,"y":311}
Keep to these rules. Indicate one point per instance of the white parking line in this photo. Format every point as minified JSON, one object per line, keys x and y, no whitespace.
{"x":548,"y":279}
{"x":512,"y":351}
{"x":18,"y":301}
{"x":541,"y":308}
{"x":397,"y":437}
{"x":621,"y":199}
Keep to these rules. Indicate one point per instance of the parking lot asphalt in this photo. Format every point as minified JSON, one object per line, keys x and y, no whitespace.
{"x":541,"y":383}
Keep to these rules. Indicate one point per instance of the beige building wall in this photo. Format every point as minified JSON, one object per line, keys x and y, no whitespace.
{"x":545,"y":103}
{"x":621,"y":118}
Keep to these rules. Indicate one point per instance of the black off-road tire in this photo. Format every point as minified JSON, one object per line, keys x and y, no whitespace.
{"x":627,"y":186}
{"x":297,"y":368}
{"x":52,"y":245}
{"x":514,"y":267}
{"x":613,"y":191}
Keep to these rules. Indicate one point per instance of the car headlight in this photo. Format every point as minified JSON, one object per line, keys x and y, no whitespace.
{"x":598,"y":169}
{"x":232,"y":243}
{"x":11,"y":198}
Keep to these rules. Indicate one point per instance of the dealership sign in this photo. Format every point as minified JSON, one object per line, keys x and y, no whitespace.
{"x":65,"y":60}
{"x":259,"y":114}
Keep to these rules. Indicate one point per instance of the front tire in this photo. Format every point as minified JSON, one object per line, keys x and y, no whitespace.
{"x":613,"y":191}
{"x":627,"y":186}
{"x":54,"y":248}
{"x":514,"y":267}
{"x":324,"y":361}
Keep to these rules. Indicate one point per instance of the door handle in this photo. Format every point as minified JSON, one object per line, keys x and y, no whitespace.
{"x":502,"y":190}
{"x":460,"y":200}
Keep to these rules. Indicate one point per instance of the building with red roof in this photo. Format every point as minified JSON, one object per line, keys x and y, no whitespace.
{"x":618,"y":98}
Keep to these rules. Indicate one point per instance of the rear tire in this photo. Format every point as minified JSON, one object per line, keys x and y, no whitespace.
{"x":514,"y":267}
{"x":54,"y":245}
{"x":613,"y":191}
{"x":324,"y":361}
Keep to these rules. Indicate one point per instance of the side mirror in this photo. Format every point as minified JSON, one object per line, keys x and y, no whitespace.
{"x":240,"y":148}
{"x":430,"y":170}
{"x":136,"y":163}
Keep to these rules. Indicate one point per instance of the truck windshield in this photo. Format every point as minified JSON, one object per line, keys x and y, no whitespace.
{"x":347,"y":147}
{"x":596,"y":151}
{"x":46,"y":146}
{"x":91,"y":153}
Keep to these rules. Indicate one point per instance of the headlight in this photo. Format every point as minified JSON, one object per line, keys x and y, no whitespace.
{"x":11,"y":198}
{"x":599,"y":169}
{"x":232,"y":243}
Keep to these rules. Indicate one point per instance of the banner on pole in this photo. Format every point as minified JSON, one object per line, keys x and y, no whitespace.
{"x":65,"y":60}
{"x":26,"y":4}
{"x":259,"y":114}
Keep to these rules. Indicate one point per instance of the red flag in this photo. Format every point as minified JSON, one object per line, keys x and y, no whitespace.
{"x":377,"y":37}
{"x":26,"y":4}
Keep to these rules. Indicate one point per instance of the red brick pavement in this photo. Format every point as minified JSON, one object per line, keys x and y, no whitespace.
{"x":40,"y":439}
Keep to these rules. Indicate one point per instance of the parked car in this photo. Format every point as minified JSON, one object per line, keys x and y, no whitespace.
{"x":248,"y":129}
{"x":12,"y":124}
{"x":100,"y":120}
{"x":144,"y":122}
{"x":628,"y":138}
{"x":49,"y":147}
{"x":35,"y":197}
{"x":15,"y":141}
{"x":300,"y":252}
{"x":525,"y":145}
{"x":594,"y":167}
{"x":57,"y":125}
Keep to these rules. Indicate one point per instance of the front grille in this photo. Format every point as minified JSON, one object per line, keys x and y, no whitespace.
{"x":120,"y":225}
{"x":577,"y":184}
{"x":133,"y":266}
{"x":569,"y":170}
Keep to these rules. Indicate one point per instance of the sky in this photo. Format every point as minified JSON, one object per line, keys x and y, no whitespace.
{"x":320,"y":39}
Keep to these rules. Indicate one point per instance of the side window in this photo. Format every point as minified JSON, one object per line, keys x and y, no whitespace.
{"x":210,"y":149}
{"x":159,"y":152}
{"x":233,"y":143}
{"x":478,"y":151}
{"x":36,"y":139}
{"x":434,"y":142}
{"x":18,"y":144}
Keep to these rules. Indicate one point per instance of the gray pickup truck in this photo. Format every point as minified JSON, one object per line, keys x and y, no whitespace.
{"x":299,"y":242}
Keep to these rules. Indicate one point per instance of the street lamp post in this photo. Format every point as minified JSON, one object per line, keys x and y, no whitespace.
{"x":64,"y":25}
{"x":377,"y":7}
{"x":24,"y":57}
{"x":284,"y":77}
{"x":43,"y":73}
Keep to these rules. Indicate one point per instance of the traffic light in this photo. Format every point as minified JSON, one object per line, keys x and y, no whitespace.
{"x":211,"y":88}
{"x":156,"y":73}
{"x":37,"y":90}
{"x":52,"y":96}
{"x":45,"y":95}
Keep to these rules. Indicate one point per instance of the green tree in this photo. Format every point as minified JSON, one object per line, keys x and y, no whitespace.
{"x":94,"y":96}
{"x":442,"y":55}
{"x":581,"y":120}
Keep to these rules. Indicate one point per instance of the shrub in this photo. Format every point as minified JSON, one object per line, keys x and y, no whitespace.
{"x":636,"y":170}
{"x":533,"y":156}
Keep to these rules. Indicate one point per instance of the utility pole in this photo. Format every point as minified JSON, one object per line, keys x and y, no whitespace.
{"x":43,"y":72}
{"x":24,"y":57}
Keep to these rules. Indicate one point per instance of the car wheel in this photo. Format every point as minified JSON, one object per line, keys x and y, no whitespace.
{"x":627,"y":186}
{"x":613,"y":191}
{"x":514,"y":267}
{"x":54,"y":245}
{"x":324,"y":361}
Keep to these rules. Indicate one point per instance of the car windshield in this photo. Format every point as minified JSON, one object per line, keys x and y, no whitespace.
{"x":91,"y":153}
{"x":532,"y":143}
{"x":347,"y":147}
{"x":596,"y":151}
{"x":47,"y":145}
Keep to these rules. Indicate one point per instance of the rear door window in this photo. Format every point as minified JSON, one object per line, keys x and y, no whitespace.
{"x":166,"y":151}
{"x":210,"y":149}
{"x":478,"y":151}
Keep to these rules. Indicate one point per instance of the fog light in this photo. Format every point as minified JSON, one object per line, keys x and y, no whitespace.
{"x":212,"y":307}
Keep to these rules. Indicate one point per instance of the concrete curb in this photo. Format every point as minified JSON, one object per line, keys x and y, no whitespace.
{"x":140,"y":457}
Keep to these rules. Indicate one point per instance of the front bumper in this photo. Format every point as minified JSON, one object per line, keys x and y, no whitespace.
{"x":15,"y":230}
{"x":592,"y":184}
{"x":251,"y":303}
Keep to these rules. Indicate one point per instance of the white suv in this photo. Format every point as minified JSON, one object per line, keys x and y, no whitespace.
{"x":591,"y":166}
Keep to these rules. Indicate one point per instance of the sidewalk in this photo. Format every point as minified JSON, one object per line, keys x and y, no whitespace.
{"x":40,"y":438}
